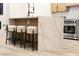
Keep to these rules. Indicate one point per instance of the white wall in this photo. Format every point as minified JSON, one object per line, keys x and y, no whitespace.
{"x":4,"y":19}
{"x":42,"y":9}
{"x":18,"y":10}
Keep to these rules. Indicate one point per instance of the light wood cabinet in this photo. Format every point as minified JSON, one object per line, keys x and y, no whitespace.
{"x":58,"y":7}
{"x":53,"y":7}
{"x":61,"y":7}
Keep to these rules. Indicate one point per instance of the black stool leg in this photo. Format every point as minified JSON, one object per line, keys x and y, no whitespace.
{"x":25,"y":44}
{"x":37,"y":40}
{"x":6,"y":37}
{"x":25,"y":39}
{"x":20,"y":43}
{"x":20,"y":40}
{"x":14,"y":43}
{"x":29,"y":39}
{"x":33,"y":41}
{"x":14,"y":37}
{"x":6,"y":33}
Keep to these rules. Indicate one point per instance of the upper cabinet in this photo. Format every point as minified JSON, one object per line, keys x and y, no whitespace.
{"x":61,"y":7}
{"x":17,"y":10}
{"x":53,"y":7}
{"x":58,"y":7}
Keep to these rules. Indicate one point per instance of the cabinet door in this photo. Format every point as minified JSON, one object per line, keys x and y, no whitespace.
{"x":54,"y":7}
{"x":58,"y":7}
{"x":61,"y":7}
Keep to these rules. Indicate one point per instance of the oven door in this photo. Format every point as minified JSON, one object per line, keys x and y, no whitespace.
{"x":69,"y":29}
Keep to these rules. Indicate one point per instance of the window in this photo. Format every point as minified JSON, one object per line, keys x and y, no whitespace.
{"x":1,"y":8}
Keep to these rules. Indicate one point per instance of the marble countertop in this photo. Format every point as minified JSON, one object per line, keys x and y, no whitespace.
{"x":24,"y":18}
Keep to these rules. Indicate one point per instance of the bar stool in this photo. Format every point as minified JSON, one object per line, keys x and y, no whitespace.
{"x":32,"y":32}
{"x":21,"y":30}
{"x":11,"y":33}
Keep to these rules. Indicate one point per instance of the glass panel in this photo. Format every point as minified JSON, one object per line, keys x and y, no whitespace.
{"x":69,"y":29}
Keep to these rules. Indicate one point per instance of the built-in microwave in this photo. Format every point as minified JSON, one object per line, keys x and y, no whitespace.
{"x":69,"y":29}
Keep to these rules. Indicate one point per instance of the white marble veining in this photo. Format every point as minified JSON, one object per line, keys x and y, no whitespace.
{"x":50,"y":33}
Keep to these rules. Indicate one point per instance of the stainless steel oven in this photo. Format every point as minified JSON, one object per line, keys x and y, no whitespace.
{"x":71,"y":29}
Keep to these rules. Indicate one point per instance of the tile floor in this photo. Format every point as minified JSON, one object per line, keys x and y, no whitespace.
{"x":10,"y":50}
